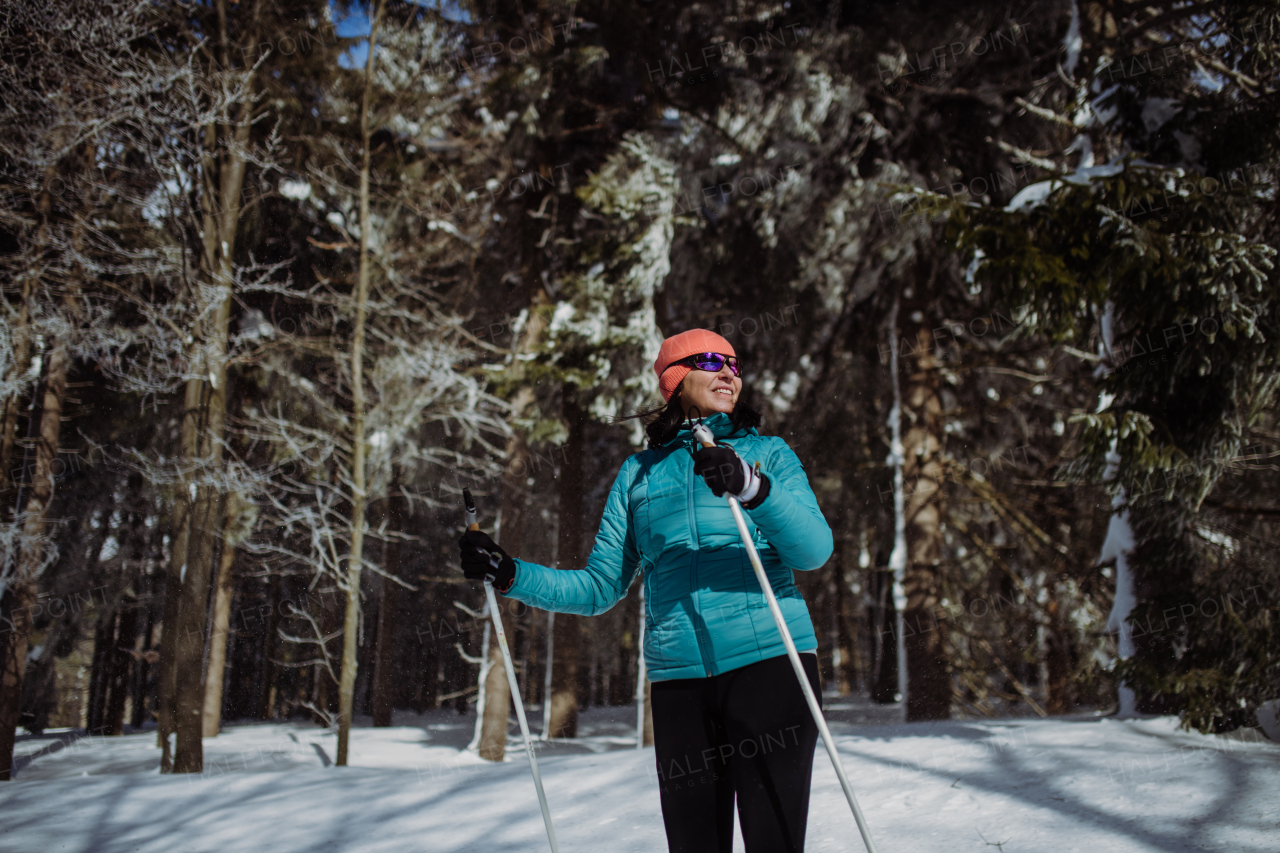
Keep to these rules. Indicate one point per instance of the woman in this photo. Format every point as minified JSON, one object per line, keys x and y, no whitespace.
{"x":729,"y":717}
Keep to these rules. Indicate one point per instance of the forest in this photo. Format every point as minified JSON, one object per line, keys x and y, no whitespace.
{"x":281,"y":278}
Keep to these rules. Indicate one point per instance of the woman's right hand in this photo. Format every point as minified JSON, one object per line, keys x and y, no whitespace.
{"x":482,"y":557}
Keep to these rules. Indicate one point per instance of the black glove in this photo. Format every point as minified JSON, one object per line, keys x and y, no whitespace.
{"x":481,"y":558}
{"x":725,"y":472}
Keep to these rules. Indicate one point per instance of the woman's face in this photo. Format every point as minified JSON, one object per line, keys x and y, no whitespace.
{"x":704,"y":393}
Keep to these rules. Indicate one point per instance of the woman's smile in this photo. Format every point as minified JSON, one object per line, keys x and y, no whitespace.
{"x":704,"y":393}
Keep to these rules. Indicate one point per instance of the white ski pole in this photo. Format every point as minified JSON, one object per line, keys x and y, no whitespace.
{"x":706,"y":439}
{"x":511,"y":681}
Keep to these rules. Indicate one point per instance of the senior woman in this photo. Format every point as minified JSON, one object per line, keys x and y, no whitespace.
{"x":729,"y":717}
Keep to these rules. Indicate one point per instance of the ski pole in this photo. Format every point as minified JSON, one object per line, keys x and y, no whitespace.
{"x":706,"y":439}
{"x":511,"y":677}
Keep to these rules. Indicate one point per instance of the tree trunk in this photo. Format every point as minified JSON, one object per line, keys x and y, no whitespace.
{"x":1057,"y":655}
{"x":842,"y":656}
{"x":564,"y":680}
{"x":104,"y":639}
{"x":142,"y":667}
{"x":223,"y":592}
{"x":427,"y":666}
{"x":21,"y":592}
{"x":359,"y":497}
{"x":180,"y":526}
{"x":480,"y":737}
{"x":382,"y":691}
{"x":11,"y":406}
{"x":15,"y":610}
{"x":497,"y":696}
{"x":198,"y":521}
{"x":493,"y":736}
{"x":119,"y":657}
{"x":1118,"y":545}
{"x":186,"y":640}
{"x":883,"y":618}
{"x":324,"y":693}
{"x":266,"y":698}
{"x":103,"y":621}
{"x":497,"y":693}
{"x":898,"y":556}
{"x":548,"y":670}
{"x":204,"y":528}
{"x":492,"y":743}
{"x":40,"y":688}
{"x":22,"y":343}
{"x":142,"y":555}
{"x":928,"y":671}
{"x":385,"y":653}
{"x":193,"y":603}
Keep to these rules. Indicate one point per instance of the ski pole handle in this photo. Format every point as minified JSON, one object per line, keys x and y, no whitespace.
{"x":704,"y":436}
{"x":470,"y":512}
{"x":472,"y":524}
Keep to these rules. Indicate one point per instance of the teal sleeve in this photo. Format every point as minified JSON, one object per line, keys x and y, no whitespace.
{"x":789,"y":517}
{"x":609,"y":571}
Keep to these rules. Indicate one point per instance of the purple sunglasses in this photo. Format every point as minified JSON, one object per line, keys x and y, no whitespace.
{"x":713,"y":362}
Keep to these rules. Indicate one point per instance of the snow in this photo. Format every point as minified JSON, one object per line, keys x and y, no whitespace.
{"x":1224,"y":541}
{"x":1268,"y":714}
{"x":159,"y":204}
{"x":298,"y":190}
{"x":898,"y":556}
{"x":1117,"y":546}
{"x":1033,"y":195}
{"x":1120,"y":539}
{"x":1073,"y":42}
{"x":1058,"y":785}
{"x":971,"y":270}
{"x":1104,"y":115}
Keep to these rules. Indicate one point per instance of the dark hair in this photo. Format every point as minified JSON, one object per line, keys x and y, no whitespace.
{"x":667,"y":419}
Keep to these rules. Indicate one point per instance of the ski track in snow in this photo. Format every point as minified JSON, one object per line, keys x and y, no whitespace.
{"x":1033,"y":786}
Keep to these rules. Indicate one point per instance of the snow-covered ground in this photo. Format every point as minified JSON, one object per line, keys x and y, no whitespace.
{"x":1015,"y":786}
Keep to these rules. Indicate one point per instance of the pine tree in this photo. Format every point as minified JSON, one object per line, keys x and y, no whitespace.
{"x":1171,"y":265}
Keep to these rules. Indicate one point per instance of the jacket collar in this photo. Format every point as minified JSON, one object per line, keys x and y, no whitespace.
{"x":719,"y":424}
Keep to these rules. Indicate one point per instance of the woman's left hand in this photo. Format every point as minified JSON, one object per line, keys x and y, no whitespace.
{"x":725,"y":472}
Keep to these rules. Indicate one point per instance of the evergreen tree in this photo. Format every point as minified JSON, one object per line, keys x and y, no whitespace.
{"x":1159,"y":243}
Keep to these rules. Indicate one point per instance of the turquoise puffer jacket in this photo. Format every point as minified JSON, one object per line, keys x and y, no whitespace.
{"x":705,"y":613}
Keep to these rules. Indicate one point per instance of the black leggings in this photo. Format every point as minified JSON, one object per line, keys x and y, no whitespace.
{"x":746,"y":732}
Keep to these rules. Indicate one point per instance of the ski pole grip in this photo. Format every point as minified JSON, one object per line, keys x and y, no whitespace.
{"x":473,"y":524}
{"x":704,"y":436}
{"x":470,"y":514}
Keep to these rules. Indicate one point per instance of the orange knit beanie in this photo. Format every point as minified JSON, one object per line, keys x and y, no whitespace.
{"x":681,"y":346}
